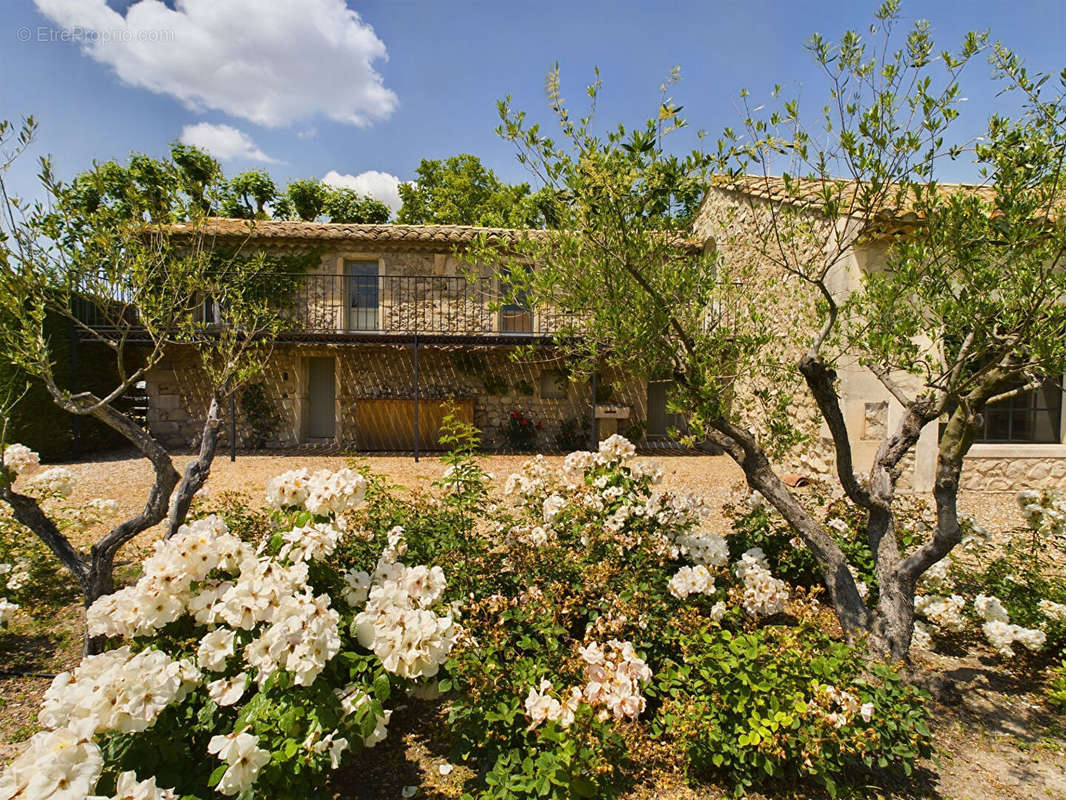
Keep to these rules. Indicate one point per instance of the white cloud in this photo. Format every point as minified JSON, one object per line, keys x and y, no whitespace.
{"x":224,"y":142}
{"x":273,"y":62}
{"x":379,"y":185}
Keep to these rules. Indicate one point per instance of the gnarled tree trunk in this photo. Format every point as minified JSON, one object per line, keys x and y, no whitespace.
{"x":95,"y":572}
{"x":197,"y":472}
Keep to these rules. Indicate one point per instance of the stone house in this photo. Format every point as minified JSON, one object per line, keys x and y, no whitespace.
{"x":390,"y":329}
{"x":389,"y":326}
{"x":1023,"y":442}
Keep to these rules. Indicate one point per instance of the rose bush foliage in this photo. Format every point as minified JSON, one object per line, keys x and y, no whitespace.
{"x":605,"y":631}
{"x":28,"y":576}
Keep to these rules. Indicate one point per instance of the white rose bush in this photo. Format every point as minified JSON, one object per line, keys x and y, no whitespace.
{"x":241,"y":668}
{"x":573,"y":629}
{"x":612,"y":616}
{"x":28,"y":574}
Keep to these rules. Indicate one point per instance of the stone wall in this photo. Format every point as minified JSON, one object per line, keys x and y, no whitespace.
{"x":738,"y":226}
{"x":179,"y":392}
{"x":773,"y":301}
{"x":985,"y":474}
{"x":777,"y":301}
{"x":416,"y":291}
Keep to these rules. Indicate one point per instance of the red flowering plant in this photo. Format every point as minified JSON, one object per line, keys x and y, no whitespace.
{"x":520,"y":431}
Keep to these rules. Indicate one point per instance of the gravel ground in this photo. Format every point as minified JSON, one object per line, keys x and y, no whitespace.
{"x":127,"y":478}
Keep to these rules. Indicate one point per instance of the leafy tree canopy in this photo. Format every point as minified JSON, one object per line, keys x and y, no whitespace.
{"x":191,"y":184}
{"x":462,"y":191}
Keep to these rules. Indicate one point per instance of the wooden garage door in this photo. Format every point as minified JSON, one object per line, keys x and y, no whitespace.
{"x":388,"y":423}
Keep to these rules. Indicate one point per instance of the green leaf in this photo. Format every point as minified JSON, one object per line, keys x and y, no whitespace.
{"x":217,"y":774}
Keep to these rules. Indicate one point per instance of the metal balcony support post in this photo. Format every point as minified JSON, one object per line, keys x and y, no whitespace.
{"x":595,"y":422}
{"x":416,"y":397}
{"x":416,"y":368}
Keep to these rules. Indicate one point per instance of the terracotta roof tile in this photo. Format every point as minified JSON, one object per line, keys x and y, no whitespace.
{"x":421,"y":236}
{"x":290,"y":230}
{"x":809,"y":192}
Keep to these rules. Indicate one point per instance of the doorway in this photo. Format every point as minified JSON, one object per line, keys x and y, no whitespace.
{"x":321,"y":390}
{"x":660,"y":421}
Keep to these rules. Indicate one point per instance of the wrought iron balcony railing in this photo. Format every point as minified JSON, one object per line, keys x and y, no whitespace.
{"x":392,"y":307}
{"x":365,"y":306}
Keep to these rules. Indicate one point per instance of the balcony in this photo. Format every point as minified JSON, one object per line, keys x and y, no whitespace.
{"x":382,"y":309}
{"x":373,"y":307}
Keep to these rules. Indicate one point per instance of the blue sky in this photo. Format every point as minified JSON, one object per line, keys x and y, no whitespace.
{"x":316,"y":90}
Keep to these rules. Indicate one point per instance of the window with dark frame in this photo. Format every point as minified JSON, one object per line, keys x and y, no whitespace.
{"x":363,"y":291}
{"x":212,"y":311}
{"x":1032,"y":417}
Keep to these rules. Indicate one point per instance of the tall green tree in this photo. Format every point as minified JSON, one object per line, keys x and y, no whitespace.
{"x":461,"y":191}
{"x":247,"y":195}
{"x":347,"y":205}
{"x":310,"y":199}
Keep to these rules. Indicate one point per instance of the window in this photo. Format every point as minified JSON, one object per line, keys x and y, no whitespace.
{"x":1033,"y":417}
{"x":212,"y":311}
{"x":362,"y":295}
{"x":553,"y":385}
{"x":516,"y":316}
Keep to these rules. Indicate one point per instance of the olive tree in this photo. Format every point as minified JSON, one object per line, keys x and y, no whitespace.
{"x":100,"y":253}
{"x":967,"y":310}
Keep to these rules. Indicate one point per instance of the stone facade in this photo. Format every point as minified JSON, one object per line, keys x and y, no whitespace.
{"x":497,"y":383}
{"x":736,"y":225}
{"x":420,"y":288}
{"x":421,"y":292}
{"x":417,"y":289}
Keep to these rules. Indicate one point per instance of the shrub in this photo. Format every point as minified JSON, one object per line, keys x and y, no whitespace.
{"x":573,"y":434}
{"x":597,"y":562}
{"x":756,"y":524}
{"x":28,"y":574}
{"x":782,"y":703}
{"x":260,"y":412}
{"x":464,"y":481}
{"x":597,"y":616}
{"x":520,"y":431}
{"x":246,"y":670}
{"x":1018,"y":594}
{"x":1056,"y":691}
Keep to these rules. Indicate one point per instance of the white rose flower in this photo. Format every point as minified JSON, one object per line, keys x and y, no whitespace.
{"x":1055,"y":612}
{"x":215,"y":648}
{"x":990,"y":609}
{"x":128,"y":787}
{"x":227,"y":691}
{"x":6,"y":610}
{"x":53,"y":482}
{"x":63,"y":764}
{"x":552,"y":506}
{"x":241,"y":752}
{"x":20,"y":459}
